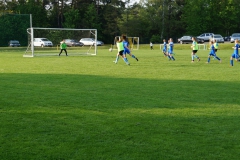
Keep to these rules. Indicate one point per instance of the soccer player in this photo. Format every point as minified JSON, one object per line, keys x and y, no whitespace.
{"x":120,"y":47}
{"x":63,"y":47}
{"x":212,"y":53}
{"x":151,"y":45}
{"x":194,"y":49}
{"x":164,"y":48}
{"x":170,"y":50}
{"x":235,"y":53}
{"x":215,"y":46}
{"x":126,"y":47}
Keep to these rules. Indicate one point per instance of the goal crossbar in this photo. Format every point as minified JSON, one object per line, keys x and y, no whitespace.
{"x":133,"y":43}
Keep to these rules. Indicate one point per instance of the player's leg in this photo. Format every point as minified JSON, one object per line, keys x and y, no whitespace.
{"x":168,"y":54}
{"x":193,"y":55}
{"x":65,"y":52}
{"x":217,"y":58}
{"x":130,"y":54}
{"x":133,"y":56}
{"x":171,"y":55}
{"x":117,"y":58}
{"x":60,"y":52}
{"x":231,"y":59}
{"x":124,"y":57}
{"x":209,"y":56}
{"x":164,"y":52}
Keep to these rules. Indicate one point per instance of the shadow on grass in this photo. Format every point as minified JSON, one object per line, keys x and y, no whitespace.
{"x":92,"y":117}
{"x":107,"y":92}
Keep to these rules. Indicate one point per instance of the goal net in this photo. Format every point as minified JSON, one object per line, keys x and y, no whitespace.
{"x":133,"y":42}
{"x":46,"y":41}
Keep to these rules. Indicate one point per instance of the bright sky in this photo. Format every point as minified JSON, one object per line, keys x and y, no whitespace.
{"x":133,"y":1}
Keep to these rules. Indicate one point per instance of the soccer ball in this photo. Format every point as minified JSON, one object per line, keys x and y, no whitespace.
{"x":110,"y":49}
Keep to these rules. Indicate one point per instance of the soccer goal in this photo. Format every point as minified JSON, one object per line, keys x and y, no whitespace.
{"x":133,"y":42}
{"x":46,"y":41}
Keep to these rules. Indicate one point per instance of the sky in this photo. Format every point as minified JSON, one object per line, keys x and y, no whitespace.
{"x":133,"y":1}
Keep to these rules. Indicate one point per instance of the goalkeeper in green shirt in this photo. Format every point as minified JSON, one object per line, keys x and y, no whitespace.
{"x":63,"y":47}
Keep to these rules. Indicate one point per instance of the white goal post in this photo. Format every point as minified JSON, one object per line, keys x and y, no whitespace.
{"x":46,"y":41}
{"x":133,"y":42}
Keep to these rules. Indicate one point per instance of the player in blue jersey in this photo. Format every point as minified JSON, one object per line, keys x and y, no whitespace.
{"x":164,"y":48}
{"x":235,"y":53}
{"x":212,"y":53}
{"x":126,"y":47}
{"x":170,"y":50}
{"x":194,"y":49}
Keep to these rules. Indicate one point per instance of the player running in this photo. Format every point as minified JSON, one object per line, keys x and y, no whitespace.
{"x":235,"y":53}
{"x":215,"y":46}
{"x":120,"y":47}
{"x":212,"y":53}
{"x":194,"y":49}
{"x":170,"y":50}
{"x":164,"y":48}
{"x":126,"y":47}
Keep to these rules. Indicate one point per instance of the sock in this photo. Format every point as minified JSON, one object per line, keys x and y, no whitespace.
{"x":125,"y":60}
{"x":117,"y":59}
{"x":133,"y":56}
{"x":217,"y":58}
{"x":192,"y":57}
{"x":173,"y":58}
{"x":169,"y":57}
{"x":196,"y":56}
{"x":231,"y":62}
{"x":208,"y":59}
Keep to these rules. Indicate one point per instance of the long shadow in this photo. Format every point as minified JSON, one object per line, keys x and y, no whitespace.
{"x":47,"y":116}
{"x":90,"y":91}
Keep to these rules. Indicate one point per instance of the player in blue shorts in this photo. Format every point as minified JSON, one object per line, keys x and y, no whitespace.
{"x":212,"y":53}
{"x":235,"y":53}
{"x":170,"y":50}
{"x":164,"y":48}
{"x":126,"y":47}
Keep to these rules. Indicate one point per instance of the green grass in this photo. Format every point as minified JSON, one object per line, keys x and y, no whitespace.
{"x":87,"y":107}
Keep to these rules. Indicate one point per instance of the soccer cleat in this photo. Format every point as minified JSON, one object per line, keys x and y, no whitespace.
{"x":192,"y":61}
{"x":136,"y":58}
{"x":115,"y":62}
{"x":198,"y":59}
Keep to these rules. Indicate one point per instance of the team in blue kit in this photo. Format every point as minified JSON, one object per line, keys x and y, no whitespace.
{"x":213,"y":53}
{"x":126,"y":47}
{"x":168,"y":50}
{"x":235,"y":53}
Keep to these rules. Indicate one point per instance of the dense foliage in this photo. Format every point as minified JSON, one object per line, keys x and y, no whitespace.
{"x":149,"y":19}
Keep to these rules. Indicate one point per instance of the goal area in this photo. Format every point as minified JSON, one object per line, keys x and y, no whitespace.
{"x":46,"y":41}
{"x":133,"y":42}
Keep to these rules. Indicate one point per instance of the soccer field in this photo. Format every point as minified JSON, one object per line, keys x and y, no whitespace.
{"x":87,"y":107}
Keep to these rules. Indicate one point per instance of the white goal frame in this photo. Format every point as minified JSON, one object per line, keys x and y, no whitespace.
{"x":130,"y":44}
{"x":30,"y":47}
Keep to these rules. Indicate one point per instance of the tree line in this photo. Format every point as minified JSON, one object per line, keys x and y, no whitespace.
{"x":151,"y":20}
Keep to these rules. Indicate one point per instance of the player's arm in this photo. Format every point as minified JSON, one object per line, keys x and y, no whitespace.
{"x":126,"y":46}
